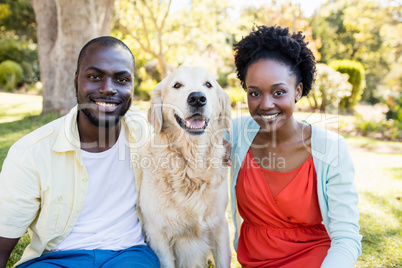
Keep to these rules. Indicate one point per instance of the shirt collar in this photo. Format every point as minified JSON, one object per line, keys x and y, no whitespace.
{"x":68,"y":138}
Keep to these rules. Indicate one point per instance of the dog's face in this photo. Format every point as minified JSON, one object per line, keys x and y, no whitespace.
{"x":189,"y":99}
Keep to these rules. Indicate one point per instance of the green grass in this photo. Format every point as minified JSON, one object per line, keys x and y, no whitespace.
{"x":378,"y":179}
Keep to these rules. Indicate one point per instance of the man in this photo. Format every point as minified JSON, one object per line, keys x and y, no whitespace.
{"x":72,"y":182}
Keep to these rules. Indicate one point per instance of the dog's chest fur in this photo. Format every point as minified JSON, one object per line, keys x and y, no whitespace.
{"x":187,"y":184}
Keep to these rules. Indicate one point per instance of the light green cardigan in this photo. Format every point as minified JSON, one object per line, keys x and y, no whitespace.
{"x":337,"y":194}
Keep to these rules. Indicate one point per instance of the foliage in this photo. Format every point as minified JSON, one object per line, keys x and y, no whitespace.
{"x":23,"y":52}
{"x":11,"y":74}
{"x":145,"y":88}
{"x":17,"y":17}
{"x":232,"y":80}
{"x":176,"y":36}
{"x":329,"y":87}
{"x":18,"y":36}
{"x":395,"y":109}
{"x":385,"y":130}
{"x":236,"y":94}
{"x":359,"y":30}
{"x":356,"y":74}
{"x":282,"y":13}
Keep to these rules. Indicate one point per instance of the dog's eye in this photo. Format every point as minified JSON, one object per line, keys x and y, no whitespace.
{"x":208,"y":85}
{"x":177,"y":85}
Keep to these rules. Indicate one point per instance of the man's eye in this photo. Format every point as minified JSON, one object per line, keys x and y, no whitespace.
{"x":94,"y":77}
{"x":177,"y":85}
{"x":208,"y":85}
{"x":122,"y":80}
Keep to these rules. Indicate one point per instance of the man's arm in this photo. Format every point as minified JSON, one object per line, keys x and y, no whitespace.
{"x":6,"y":247}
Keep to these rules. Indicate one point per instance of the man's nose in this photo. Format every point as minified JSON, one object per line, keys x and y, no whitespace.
{"x":107,"y":87}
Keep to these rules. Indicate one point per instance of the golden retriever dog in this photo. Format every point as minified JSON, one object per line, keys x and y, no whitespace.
{"x":184,"y":190}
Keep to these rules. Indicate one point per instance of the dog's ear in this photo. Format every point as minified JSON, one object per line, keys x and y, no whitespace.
{"x":225,"y":102}
{"x":155,"y":117}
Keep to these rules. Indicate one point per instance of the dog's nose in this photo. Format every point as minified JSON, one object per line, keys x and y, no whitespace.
{"x":197,"y":99}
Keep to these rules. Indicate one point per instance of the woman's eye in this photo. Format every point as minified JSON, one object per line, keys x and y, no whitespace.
{"x":208,"y":85}
{"x":177,"y":85}
{"x":279,"y":93}
{"x":254,"y":94}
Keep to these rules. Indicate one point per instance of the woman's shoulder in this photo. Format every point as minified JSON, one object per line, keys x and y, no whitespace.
{"x":242,"y":121}
{"x":320,"y":134}
{"x":326,"y":144}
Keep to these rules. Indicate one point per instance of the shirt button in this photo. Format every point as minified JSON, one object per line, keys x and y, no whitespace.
{"x":85,"y":179}
{"x":60,"y":198}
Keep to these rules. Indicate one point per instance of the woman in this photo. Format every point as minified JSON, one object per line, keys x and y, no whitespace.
{"x":291,"y":182}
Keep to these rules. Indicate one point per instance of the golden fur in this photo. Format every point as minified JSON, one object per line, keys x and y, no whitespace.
{"x":184,"y":191}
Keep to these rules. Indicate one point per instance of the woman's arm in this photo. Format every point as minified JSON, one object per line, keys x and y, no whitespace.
{"x":342,"y":198}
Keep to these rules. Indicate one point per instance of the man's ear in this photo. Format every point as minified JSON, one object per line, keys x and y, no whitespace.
{"x":155,"y":116}
{"x":76,"y":81}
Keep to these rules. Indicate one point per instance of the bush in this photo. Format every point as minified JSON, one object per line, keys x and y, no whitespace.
{"x":232,"y":80}
{"x":329,"y":87}
{"x":144,"y":89}
{"x":24,"y":53}
{"x":11,"y":74}
{"x":236,"y":95}
{"x":222,"y":80}
{"x":386,"y":130}
{"x":356,"y":73}
{"x":395,"y":109}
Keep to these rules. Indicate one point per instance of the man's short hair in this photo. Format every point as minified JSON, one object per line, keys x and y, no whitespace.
{"x":105,"y":41}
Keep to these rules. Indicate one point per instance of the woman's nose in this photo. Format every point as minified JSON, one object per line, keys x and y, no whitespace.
{"x":267,"y":103}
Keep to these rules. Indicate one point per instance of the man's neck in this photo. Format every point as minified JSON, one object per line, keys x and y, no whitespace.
{"x":96,"y":138}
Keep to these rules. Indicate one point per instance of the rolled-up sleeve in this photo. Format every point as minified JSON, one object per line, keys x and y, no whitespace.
{"x":19,"y":192}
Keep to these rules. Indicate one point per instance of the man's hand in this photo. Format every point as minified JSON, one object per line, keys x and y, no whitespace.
{"x":226,"y":157}
{"x":6,"y":247}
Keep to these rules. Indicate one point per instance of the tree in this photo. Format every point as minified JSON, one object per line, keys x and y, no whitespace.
{"x":17,"y":16}
{"x":63,"y":27}
{"x":328,"y":89}
{"x":172,"y":38}
{"x":18,"y":37}
{"x":357,"y":30}
{"x":151,"y":16}
{"x":280,"y":13}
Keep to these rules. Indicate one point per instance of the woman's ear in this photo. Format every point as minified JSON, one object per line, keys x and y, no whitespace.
{"x":299,"y":92}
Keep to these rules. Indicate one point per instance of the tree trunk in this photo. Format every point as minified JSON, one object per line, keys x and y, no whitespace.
{"x":63,"y":27}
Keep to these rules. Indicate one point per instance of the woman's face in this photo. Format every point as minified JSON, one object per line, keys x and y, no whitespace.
{"x":271,"y":93}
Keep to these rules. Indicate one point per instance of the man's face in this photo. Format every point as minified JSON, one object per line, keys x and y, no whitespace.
{"x":104,"y":84}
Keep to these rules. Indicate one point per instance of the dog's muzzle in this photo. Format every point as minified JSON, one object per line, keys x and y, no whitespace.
{"x":194,"y":125}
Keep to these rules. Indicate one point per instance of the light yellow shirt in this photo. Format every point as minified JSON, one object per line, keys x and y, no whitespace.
{"x":43,"y":182}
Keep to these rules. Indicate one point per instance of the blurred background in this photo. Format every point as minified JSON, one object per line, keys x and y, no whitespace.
{"x":358,"y":93}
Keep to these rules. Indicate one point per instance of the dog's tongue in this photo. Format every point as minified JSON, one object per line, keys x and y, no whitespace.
{"x":195,"y":123}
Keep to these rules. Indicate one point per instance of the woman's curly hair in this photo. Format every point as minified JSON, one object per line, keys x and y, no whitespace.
{"x":277,"y":44}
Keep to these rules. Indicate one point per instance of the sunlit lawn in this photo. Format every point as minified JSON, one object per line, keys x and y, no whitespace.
{"x":378,"y":177}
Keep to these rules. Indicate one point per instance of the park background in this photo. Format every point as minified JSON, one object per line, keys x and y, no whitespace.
{"x":357,"y":44}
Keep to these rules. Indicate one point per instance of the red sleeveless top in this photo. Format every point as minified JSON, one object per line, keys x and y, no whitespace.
{"x":282,"y":219}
